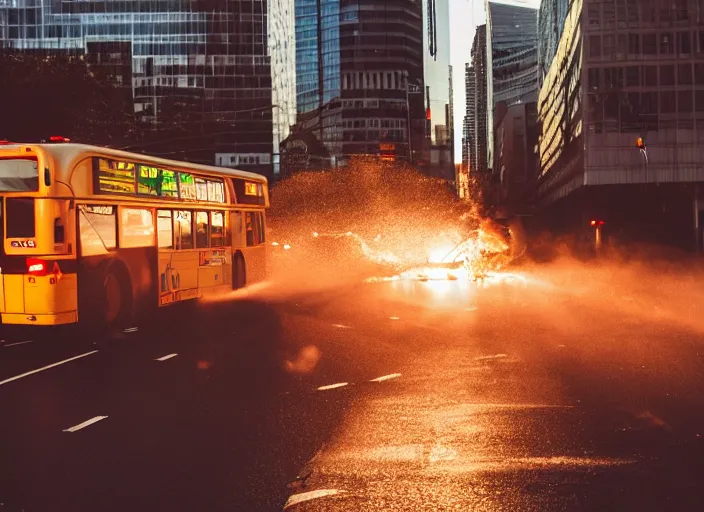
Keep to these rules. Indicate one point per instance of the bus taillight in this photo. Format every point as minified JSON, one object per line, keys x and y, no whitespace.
{"x":36,"y":267}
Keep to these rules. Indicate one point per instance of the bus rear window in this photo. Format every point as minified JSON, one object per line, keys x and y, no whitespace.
{"x":18,"y":175}
{"x":19,"y":212}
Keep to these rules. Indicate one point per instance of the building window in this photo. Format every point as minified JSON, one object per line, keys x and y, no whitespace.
{"x":633,"y":43}
{"x":650,"y":74}
{"x":699,"y":104}
{"x":684,"y":43}
{"x":667,"y":75}
{"x":594,"y":78}
{"x":684,"y":74}
{"x":666,"y":44}
{"x":649,"y":44}
{"x":699,"y":73}
{"x":684,"y":102}
{"x":594,"y":46}
{"x":667,"y":102}
{"x":632,"y":76}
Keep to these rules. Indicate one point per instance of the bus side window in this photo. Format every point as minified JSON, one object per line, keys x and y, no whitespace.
{"x":137,"y":228}
{"x":217,"y":229}
{"x":262,"y":228}
{"x":249,"y":223}
{"x":98,"y":229}
{"x":202,"y":226}
{"x":183,"y":230}
{"x":236,"y":228}
{"x":165,"y":229}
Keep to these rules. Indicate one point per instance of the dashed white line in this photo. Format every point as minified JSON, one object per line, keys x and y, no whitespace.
{"x":131,"y":329}
{"x":394,"y":318}
{"x":295,"y":499}
{"x":386,"y":377}
{"x":164,"y":358}
{"x":333,"y":386}
{"x":18,"y":343}
{"x":85,"y":424}
{"x":17,"y":377}
{"x":341,"y":326}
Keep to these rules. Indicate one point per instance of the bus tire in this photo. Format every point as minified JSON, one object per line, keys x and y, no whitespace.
{"x":239,"y":272}
{"x":115,"y":297}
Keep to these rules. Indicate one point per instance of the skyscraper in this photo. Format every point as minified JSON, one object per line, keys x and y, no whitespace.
{"x":469,"y":136}
{"x":625,"y":71}
{"x":479,"y":64}
{"x":551,"y":23}
{"x":437,"y":146}
{"x":512,"y":57}
{"x":204,"y":61}
{"x":353,"y":66}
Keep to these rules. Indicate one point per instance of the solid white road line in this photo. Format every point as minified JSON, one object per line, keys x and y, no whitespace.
{"x":164,"y":358}
{"x":333,"y":386}
{"x":295,"y":499}
{"x":17,"y":377}
{"x":85,"y":424}
{"x":18,"y":343}
{"x":386,"y":377}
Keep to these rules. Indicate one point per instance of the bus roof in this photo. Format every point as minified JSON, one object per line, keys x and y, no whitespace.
{"x":67,"y":153}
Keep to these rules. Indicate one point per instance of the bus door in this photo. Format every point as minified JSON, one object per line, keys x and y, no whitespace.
{"x":255,"y":240}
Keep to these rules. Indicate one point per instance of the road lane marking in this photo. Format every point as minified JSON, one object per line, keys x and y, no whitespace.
{"x":491,"y":358}
{"x":164,"y":358}
{"x":295,"y":499}
{"x":333,"y":386}
{"x":386,"y":377}
{"x":85,"y":424}
{"x":18,"y":343}
{"x":17,"y":377}
{"x":341,"y":326}
{"x":131,"y":329}
{"x":394,"y":318}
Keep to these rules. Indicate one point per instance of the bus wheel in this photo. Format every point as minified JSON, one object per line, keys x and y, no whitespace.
{"x":115,"y":311}
{"x":239,"y":273}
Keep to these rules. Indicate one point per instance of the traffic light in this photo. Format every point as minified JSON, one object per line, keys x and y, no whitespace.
{"x":640,"y":144}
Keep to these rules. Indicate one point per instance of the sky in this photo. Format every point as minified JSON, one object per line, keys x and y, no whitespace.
{"x":465,"y":15}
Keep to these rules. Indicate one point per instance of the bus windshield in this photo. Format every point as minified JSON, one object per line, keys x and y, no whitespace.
{"x":18,"y":175}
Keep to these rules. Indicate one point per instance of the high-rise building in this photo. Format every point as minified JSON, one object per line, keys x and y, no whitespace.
{"x":282,"y":44}
{"x":437,"y":147}
{"x":512,"y":57}
{"x":469,"y":135}
{"x":481,"y":72}
{"x":551,"y":23}
{"x":318,"y":91}
{"x":360,"y":76}
{"x":625,"y":71}
{"x":204,"y":61}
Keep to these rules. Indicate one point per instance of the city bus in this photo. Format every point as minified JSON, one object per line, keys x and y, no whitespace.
{"x":106,"y":237}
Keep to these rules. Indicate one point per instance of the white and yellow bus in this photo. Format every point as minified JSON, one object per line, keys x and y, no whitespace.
{"x":106,"y":236}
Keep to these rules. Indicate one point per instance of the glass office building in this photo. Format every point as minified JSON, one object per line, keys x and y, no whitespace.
{"x":354,"y":60}
{"x":512,"y":57}
{"x":214,"y":57}
{"x":318,"y":71}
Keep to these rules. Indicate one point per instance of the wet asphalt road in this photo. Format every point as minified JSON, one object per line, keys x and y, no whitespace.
{"x":513,"y":395}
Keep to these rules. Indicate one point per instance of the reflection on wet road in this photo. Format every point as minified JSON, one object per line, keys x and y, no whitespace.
{"x":544,"y":389}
